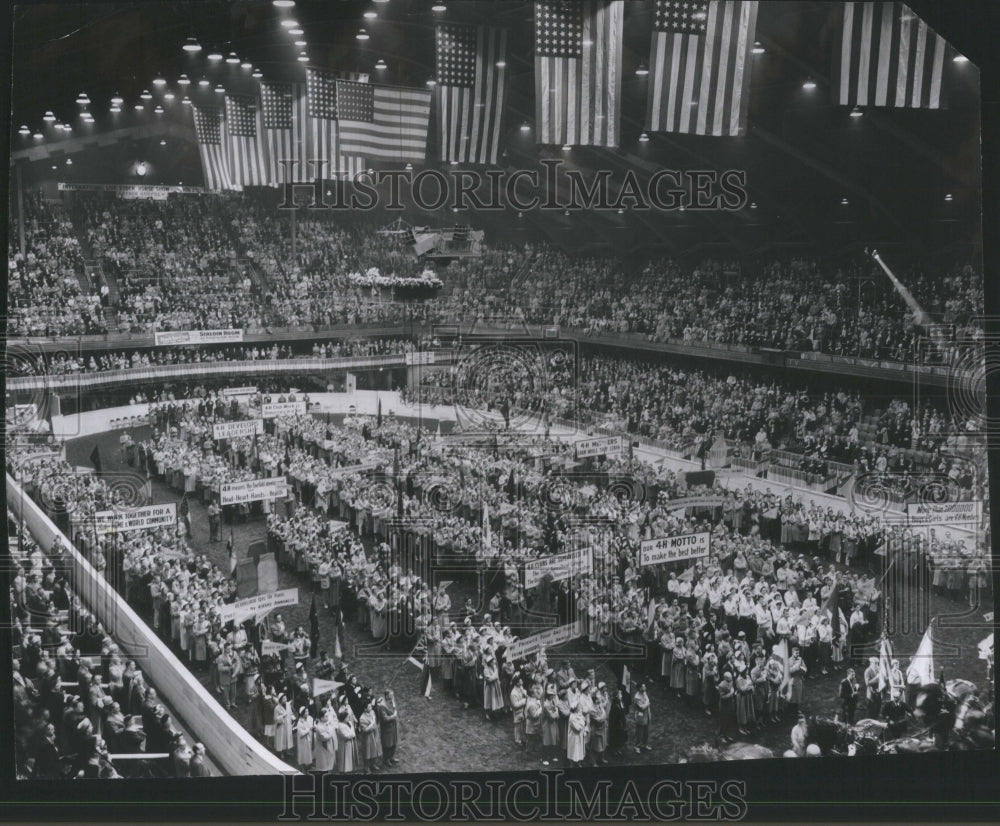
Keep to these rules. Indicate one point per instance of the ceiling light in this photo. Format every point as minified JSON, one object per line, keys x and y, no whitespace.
{"x":168,"y":96}
{"x":83,"y":100}
{"x":431,"y":82}
{"x":140,"y":169}
{"x":215,"y":55}
{"x":303,"y":57}
{"x":525,"y":127}
{"x":186,"y":100}
{"x":54,"y":166}
{"x":856,"y":112}
{"x":757,"y":48}
{"x":361,"y":35}
{"x":232,"y":58}
{"x":290,"y":24}
{"x":67,"y":128}
{"x":117,"y":100}
{"x":621,"y":211}
{"x":297,"y":32}
{"x":58,"y":127}
{"x":644,"y":137}
{"x":257,"y":73}
{"x":809,"y":85}
{"x":643,"y":70}
{"x":69,"y":162}
{"x":37,"y":136}
{"x":24,"y":130}
{"x":146,"y":95}
{"x":300,"y":43}
{"x":843,"y":201}
{"x":371,"y":14}
{"x":116,"y":109}
{"x":567,"y":147}
{"x":753,"y":205}
{"x":501,"y":63}
{"x":380,"y":65}
{"x":139,"y":107}
{"x":284,"y":4}
{"x":159,"y":81}
{"x":960,"y":58}
{"x":439,"y":7}
{"x":184,"y":80}
{"x":409,"y":167}
{"x":49,"y":117}
{"x":163,"y":141}
{"x":948,"y":197}
{"x":204,"y":81}
{"x":246,"y":64}
{"x":220,"y":89}
{"x":191,"y":45}
{"x":158,"y":110}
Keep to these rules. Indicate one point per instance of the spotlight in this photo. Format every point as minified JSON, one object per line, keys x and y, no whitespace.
{"x":184,"y":80}
{"x":191,"y":45}
{"x":140,"y":169}
{"x":48,"y":117}
{"x":361,"y":35}
{"x":643,"y":70}
{"x":146,"y":95}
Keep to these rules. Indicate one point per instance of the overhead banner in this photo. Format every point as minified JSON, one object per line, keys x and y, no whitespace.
{"x":253,"y":490}
{"x":559,"y":566}
{"x":260,"y":605}
{"x":674,"y":548}
{"x":412,"y":359}
{"x":603,"y":446}
{"x":547,"y":639}
{"x":155,"y":191}
{"x":233,"y":430}
{"x":271,"y":410}
{"x":198,"y":337}
{"x":695,"y":502}
{"x":946,"y":513}
{"x":151,"y":516}
{"x":249,"y":390}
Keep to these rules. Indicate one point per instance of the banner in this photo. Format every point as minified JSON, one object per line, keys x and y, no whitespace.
{"x":272,"y":647}
{"x":946,"y":513}
{"x":154,"y":191}
{"x":604,"y":446}
{"x":198,"y":337}
{"x":559,"y":566}
{"x":151,"y":516}
{"x":695,"y":502}
{"x":259,"y":605}
{"x":249,"y":390}
{"x":547,"y":639}
{"x":233,"y":430}
{"x":412,"y":359}
{"x":271,"y":410}
{"x":253,"y":490}
{"x":674,"y":548}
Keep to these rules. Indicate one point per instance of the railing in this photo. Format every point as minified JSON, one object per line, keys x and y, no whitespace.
{"x":242,"y":369}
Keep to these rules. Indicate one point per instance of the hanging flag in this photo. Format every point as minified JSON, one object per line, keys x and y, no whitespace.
{"x":922,"y":664}
{"x":383,"y":122}
{"x":884,"y":662}
{"x":781,"y":651}
{"x":471,"y":76}
{"x":626,"y":680}
{"x":321,"y":687}
{"x":244,"y":128}
{"x":578,"y":71}
{"x":231,"y":547}
{"x":214,"y":160}
{"x":487,"y":528}
{"x":889,"y":57}
{"x":985,"y":648}
{"x":831,"y":608}
{"x":320,"y":137}
{"x":425,"y":678}
{"x":699,"y":66}
{"x":378,"y":415}
{"x":286,"y":121}
{"x":95,"y":459}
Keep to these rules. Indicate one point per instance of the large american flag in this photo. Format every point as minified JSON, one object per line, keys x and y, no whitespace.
{"x":214,"y":162}
{"x":285,"y":118}
{"x":470,"y":91}
{"x":699,"y":66}
{"x":247,"y":160}
{"x":383,"y":122}
{"x":889,"y":57}
{"x":578,"y":71}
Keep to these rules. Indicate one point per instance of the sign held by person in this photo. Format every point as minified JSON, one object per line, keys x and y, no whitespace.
{"x":253,"y":490}
{"x":559,"y":566}
{"x":259,"y":605}
{"x":233,"y":430}
{"x":137,"y":519}
{"x":674,"y":548}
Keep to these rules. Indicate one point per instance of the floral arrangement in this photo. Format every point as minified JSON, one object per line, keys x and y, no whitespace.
{"x":373,"y":278}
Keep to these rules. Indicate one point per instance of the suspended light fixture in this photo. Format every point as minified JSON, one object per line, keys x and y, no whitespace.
{"x":380,"y":65}
{"x":644,"y":137}
{"x":757,"y":48}
{"x":303,"y":57}
{"x":409,"y":167}
{"x":371,"y":14}
{"x":115,"y":109}
{"x":168,"y":96}
{"x":159,"y":81}
{"x":204,"y":81}
{"x":158,"y":110}
{"x":856,"y":112}
{"x":184,"y":80}
{"x":439,"y":7}
{"x":117,"y":100}
{"x":257,"y":73}
{"x":37,"y":136}
{"x":960,"y":58}
{"x":431,"y":81}
{"x":284,"y":4}
{"x":215,"y":55}
{"x":843,"y":201}
{"x":567,"y":147}
{"x":290,"y":24}
{"x":220,"y":89}
{"x":233,"y":59}
{"x":643,"y":70}
{"x":58,"y":127}
{"x":163,"y":141}
{"x":48,"y":117}
{"x":298,"y":32}
{"x":525,"y":127}
{"x":146,"y":95}
{"x":361,"y":35}
{"x":24,"y":130}
{"x":501,"y":63}
{"x":139,"y":107}
{"x":948,"y":197}
{"x":191,"y":45}
{"x":246,"y":64}
{"x":186,"y":100}
{"x":69,"y":162}
{"x":301,"y":43}
{"x":809,"y":85}
{"x":83,"y":100}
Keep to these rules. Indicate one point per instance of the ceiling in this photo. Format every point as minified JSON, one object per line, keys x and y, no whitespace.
{"x":802,"y":156}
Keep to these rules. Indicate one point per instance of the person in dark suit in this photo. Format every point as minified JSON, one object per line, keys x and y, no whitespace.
{"x":849,"y":688}
{"x":47,"y":762}
{"x":198,"y":767}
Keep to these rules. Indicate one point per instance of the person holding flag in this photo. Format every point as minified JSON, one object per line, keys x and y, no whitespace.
{"x":920,"y":672}
{"x":231,"y":548}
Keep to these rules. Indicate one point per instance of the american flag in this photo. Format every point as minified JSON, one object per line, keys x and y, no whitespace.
{"x":247,"y":159}
{"x":322,"y":128}
{"x":208,"y":131}
{"x":889,"y":57}
{"x":700,"y":62}
{"x":284,"y":111}
{"x":382,"y":121}
{"x":578,"y":71}
{"x":470,"y":91}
